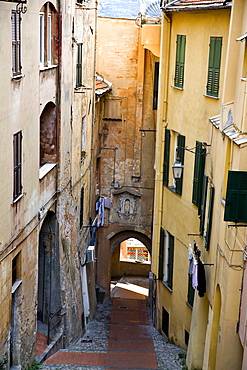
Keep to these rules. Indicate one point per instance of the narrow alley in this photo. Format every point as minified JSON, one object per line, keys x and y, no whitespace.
{"x":121,"y":336}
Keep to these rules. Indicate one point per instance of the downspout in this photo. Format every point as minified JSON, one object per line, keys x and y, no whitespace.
{"x":161,"y":124}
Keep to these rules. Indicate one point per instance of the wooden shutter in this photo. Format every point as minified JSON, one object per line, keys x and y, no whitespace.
{"x":161,"y":254}
{"x":81,"y":207}
{"x":16,"y":42}
{"x":166,"y":158}
{"x":79,"y":66}
{"x":191,"y":291}
{"x":180,"y":155}
{"x":17,"y":152}
{"x":198,"y":174}
{"x":203,"y":203}
{"x":180,"y":56}
{"x":156,"y":86}
{"x":170,"y":261}
{"x":214,"y":66}
{"x":236,"y":197}
{"x":210,"y":214}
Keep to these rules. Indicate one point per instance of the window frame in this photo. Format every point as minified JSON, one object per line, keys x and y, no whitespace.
{"x":16,"y":43}
{"x":79,"y":59}
{"x":236,"y":197}
{"x":82,"y":196}
{"x":199,"y":166}
{"x":166,"y":162}
{"x":156,"y":85}
{"x":166,"y":258}
{"x":180,"y":61}
{"x":180,"y":155}
{"x":17,"y":165}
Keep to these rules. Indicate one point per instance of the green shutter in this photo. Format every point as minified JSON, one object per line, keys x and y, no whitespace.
{"x":156,"y":86}
{"x":214,"y":66}
{"x":236,"y":197}
{"x":198,"y":174}
{"x":191,"y":291}
{"x":166,"y":158}
{"x":180,"y":57}
{"x":203,"y":203}
{"x":180,"y":155}
{"x":170,"y":261}
{"x":210,"y":214}
{"x":161,"y":254}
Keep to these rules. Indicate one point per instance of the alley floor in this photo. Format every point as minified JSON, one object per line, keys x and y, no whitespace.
{"x":121,"y":336}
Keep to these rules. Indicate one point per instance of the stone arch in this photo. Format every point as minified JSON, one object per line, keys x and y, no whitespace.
{"x":120,"y":235}
{"x":48,"y":134}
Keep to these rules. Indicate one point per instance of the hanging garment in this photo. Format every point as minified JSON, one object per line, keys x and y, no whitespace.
{"x":201,"y":287}
{"x":100,"y":207}
{"x":195,"y":276}
{"x":190,"y":258}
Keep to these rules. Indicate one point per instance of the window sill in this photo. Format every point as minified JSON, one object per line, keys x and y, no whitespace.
{"x":17,"y":78}
{"x":223,"y":202}
{"x":43,"y":68}
{"x":189,"y":304}
{"x":16,"y":285}
{"x":178,"y":88}
{"x":45,"y":169}
{"x":167,"y":287}
{"x":17,"y":199}
{"x":210,"y":96}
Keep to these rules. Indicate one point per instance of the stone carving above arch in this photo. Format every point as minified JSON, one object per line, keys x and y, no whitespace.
{"x":127,"y":203}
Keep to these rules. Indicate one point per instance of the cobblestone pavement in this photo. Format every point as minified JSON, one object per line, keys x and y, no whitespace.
{"x":96,"y":338}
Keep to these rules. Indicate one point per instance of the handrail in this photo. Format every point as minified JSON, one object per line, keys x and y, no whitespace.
{"x":49,"y":329}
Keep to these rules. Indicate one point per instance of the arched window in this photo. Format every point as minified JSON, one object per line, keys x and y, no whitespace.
{"x":48,"y":35}
{"x":48,"y":120}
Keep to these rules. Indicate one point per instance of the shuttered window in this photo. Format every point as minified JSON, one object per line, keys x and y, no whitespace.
{"x":81,"y":207}
{"x":170,"y":260}
{"x":79,"y":66}
{"x":156,"y":85}
{"x":180,"y":155}
{"x":236,"y":197}
{"x":166,"y":158}
{"x":17,"y":153}
{"x":214,"y":66}
{"x":209,"y":218}
{"x":191,"y":291}
{"x":16,"y":42}
{"x":161,"y":253}
{"x":180,"y":57}
{"x":203,"y":204}
{"x":198,"y":174}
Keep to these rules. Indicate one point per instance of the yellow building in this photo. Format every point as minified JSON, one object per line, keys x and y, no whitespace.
{"x":200,"y":127}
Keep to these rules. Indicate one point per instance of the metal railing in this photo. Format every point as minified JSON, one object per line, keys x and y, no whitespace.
{"x":59,"y":316}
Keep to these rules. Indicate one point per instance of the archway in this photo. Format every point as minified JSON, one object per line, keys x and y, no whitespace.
{"x":49,"y":291}
{"x":130,"y":265}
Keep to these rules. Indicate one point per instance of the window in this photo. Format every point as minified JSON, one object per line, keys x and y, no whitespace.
{"x":186,"y":337}
{"x":191,"y":291}
{"x":236,"y":197}
{"x":113,"y":109}
{"x":165,"y":321}
{"x":48,"y":35}
{"x":166,"y":257}
{"x":79,"y":66}
{"x":198,"y":174}
{"x":209,"y":218}
{"x":17,"y":152}
{"x":16,"y":43}
{"x":156,"y":85}
{"x":16,"y":268}
{"x":166,"y":158}
{"x":48,"y":134}
{"x":83,"y":137}
{"x":81,"y":207}
{"x":180,"y":155}
{"x":180,"y":57}
{"x":214,"y":66}
{"x":203,"y":203}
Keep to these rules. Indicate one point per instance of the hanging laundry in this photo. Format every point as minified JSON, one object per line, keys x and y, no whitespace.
{"x":195,"y":276}
{"x":100,"y":207}
{"x":201,"y":287}
{"x":190,"y":258}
